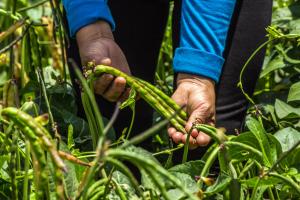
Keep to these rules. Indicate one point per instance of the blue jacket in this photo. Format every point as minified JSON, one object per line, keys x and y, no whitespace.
{"x":203,"y":32}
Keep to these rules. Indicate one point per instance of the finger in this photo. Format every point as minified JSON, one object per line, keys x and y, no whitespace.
{"x":101,"y":84}
{"x":105,"y":61}
{"x":192,"y":142}
{"x":198,"y":116}
{"x":194,"y":133}
{"x":124,"y":96}
{"x":203,"y":139}
{"x":191,"y":139}
{"x":171,"y":131}
{"x":116,"y":89}
{"x":176,"y":137}
{"x":195,"y":116}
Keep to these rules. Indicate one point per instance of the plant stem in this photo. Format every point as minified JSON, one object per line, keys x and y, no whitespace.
{"x":13,"y":166}
{"x":288,"y":181}
{"x":246,"y":169}
{"x":112,"y":119}
{"x":168,"y":151}
{"x":255,"y":189}
{"x":90,"y":118}
{"x":119,"y":190}
{"x":210,"y":160}
{"x":158,"y":183}
{"x":33,"y":6}
{"x":131,"y":123}
{"x":91,"y":97}
{"x":9,"y":14}
{"x":240,"y":83}
{"x":186,"y":146}
{"x":270,"y":192}
{"x":51,"y":118}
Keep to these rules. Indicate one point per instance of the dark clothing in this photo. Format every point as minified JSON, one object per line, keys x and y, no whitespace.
{"x":140,"y":32}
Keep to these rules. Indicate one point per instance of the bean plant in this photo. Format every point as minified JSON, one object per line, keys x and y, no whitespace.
{"x":48,"y":151}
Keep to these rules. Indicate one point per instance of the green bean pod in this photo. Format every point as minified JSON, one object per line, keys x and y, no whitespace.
{"x":5,"y":143}
{"x":100,"y":192}
{"x":39,"y":162}
{"x":217,"y":134}
{"x":159,"y":108}
{"x":141,"y":162}
{"x":99,"y":69}
{"x":26,"y":120}
{"x":9,"y":94}
{"x":119,"y":190}
{"x":166,"y":98}
{"x":144,"y":93}
{"x":93,"y":188}
{"x":163,"y":103}
{"x":158,"y":184}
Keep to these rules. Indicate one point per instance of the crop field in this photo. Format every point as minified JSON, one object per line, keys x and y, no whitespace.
{"x":47,"y":151}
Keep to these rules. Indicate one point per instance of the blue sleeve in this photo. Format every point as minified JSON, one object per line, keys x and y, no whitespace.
{"x":203,"y":33}
{"x":83,"y":12}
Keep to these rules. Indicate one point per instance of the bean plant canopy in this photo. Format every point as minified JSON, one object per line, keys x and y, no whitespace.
{"x":47,"y":151}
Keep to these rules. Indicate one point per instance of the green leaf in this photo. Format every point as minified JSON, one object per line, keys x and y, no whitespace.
{"x":293,"y":159}
{"x":64,"y":118}
{"x":124,"y":182}
{"x":284,"y":110}
{"x":191,"y":168}
{"x":259,"y":132}
{"x":189,"y":183}
{"x":265,"y":181}
{"x":238,"y":153}
{"x":287,"y":137}
{"x":294,"y":93}
{"x":275,"y":148}
{"x":4,"y":168}
{"x":62,"y":97}
{"x":220,"y":185}
{"x":271,"y":110}
{"x":276,"y":63}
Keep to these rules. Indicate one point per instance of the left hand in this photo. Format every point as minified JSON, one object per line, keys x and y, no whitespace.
{"x":197,"y":94}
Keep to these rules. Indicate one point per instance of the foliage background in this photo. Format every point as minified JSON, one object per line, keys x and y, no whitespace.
{"x":37,"y":62}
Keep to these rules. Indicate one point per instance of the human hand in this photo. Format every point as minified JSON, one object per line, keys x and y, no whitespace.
{"x":96,"y":43}
{"x":197,"y":94}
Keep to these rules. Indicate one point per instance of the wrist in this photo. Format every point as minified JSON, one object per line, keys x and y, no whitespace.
{"x":196,"y":79}
{"x":94,"y":31}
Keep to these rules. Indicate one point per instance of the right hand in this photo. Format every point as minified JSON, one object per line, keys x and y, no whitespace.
{"x":96,"y":43}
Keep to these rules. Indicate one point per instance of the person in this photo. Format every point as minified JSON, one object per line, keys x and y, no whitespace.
{"x":212,"y":39}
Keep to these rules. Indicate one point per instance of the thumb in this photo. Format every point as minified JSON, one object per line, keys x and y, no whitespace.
{"x":178,"y":97}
